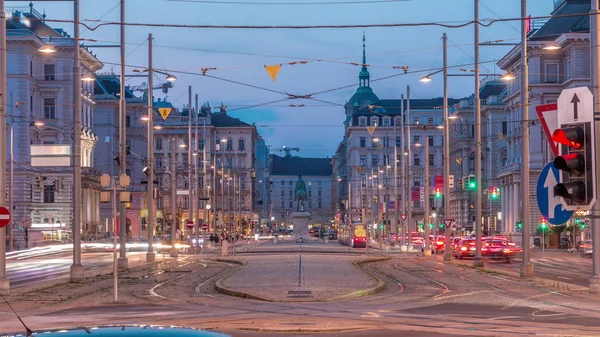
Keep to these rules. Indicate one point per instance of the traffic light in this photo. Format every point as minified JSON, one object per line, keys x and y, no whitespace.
{"x":495,"y":193}
{"x":438,"y":192}
{"x":519,"y":226}
{"x":472,"y":184}
{"x":543,"y":225}
{"x":576,"y":164}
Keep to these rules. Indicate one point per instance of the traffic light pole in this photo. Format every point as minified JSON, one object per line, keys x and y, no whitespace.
{"x":594,"y":280}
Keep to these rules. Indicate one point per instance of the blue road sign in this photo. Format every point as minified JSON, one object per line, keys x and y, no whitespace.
{"x":550,"y":205}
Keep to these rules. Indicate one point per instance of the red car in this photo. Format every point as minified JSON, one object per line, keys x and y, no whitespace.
{"x":500,"y":249}
{"x":464,"y":248}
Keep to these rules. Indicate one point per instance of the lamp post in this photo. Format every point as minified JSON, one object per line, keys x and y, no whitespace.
{"x":427,"y":249}
{"x":594,"y":279}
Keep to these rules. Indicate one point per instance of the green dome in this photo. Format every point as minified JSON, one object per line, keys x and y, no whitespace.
{"x":363,"y":96}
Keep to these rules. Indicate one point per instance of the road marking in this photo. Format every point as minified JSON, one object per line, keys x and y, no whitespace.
{"x":564,"y":277}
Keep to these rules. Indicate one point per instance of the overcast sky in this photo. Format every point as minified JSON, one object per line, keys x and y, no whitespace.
{"x":241,"y":54}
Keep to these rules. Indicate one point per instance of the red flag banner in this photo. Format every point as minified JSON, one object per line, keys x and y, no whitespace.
{"x":415,"y":193}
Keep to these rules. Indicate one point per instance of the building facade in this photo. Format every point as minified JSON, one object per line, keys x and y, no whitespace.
{"x":40,"y":100}
{"x":316,"y":173}
{"x":550,"y":71}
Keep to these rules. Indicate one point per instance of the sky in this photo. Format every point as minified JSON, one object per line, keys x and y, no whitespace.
{"x":240,"y":55}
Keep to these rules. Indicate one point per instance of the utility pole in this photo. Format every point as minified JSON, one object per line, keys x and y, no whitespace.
{"x":4,"y":282}
{"x":76,"y":270}
{"x":150,"y":256}
{"x":174,"y":251}
{"x":409,"y":169}
{"x":526,"y":265}
{"x":478,"y":258}
{"x":594,"y":280}
{"x":447,"y":228}
{"x":123,"y":262}
{"x":403,"y":174}
{"x":191,"y":195}
{"x":427,"y":249}
{"x":197,"y":180}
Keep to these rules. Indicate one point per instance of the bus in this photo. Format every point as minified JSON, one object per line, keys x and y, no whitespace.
{"x":353,"y":235}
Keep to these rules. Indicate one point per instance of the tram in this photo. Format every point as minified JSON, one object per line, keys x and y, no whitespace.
{"x":353,"y":235}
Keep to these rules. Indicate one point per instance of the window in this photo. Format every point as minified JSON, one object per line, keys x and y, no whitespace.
{"x":201,"y":144}
{"x":185,"y":162}
{"x":229,"y":144}
{"x":431,"y":159}
{"x":318,"y":193}
{"x":430,"y":140}
{"x":386,"y":122}
{"x":282,"y":204}
{"x":127,"y":147}
{"x":363,"y":160}
{"x":374,"y":121}
{"x":291,"y":204}
{"x":416,"y":139}
{"x":49,"y":72}
{"x":241,"y":144}
{"x":398,"y":141}
{"x":128,"y":172}
{"x":416,"y":120}
{"x":49,"y":194}
{"x":320,"y":204}
{"x":282,"y":183}
{"x":363,"y":141}
{"x":551,"y":72}
{"x":319,"y":183}
{"x":291,"y":193}
{"x":159,"y":163}
{"x":310,"y":193}
{"x":416,"y":160}
{"x":374,"y":141}
{"x":430,"y":120}
{"x":282,"y":193}
{"x":504,"y":127}
{"x":127,"y":121}
{"x":386,"y":159}
{"x":290,"y":183}
{"x":158,"y":143}
{"x":30,"y":68}
{"x":374,"y":160}
{"x":310,"y":204}
{"x":49,"y":108}
{"x":362,"y":121}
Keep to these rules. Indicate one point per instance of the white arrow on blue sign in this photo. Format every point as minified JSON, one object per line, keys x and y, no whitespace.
{"x":550,"y":205}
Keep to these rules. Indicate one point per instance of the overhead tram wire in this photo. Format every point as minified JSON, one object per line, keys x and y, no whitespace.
{"x":266,"y":3}
{"x":487,"y":22}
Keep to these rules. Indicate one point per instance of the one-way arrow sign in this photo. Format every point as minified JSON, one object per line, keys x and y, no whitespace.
{"x":575,"y":100}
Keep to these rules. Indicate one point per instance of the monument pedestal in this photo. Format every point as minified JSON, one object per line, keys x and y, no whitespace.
{"x":300,"y":220}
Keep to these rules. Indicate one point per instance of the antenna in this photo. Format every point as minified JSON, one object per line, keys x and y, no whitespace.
{"x":29,"y":332}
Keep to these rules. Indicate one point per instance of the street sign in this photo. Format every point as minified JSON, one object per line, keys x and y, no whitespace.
{"x":448,"y":222}
{"x":189,"y":224}
{"x":164,"y":112}
{"x":403,"y":217}
{"x":575,"y":105}
{"x":548,"y":115}
{"x":4,"y":217}
{"x":550,"y":205}
{"x":204,"y":226}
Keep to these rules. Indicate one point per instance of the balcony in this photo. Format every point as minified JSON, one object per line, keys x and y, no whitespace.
{"x":512,"y":166}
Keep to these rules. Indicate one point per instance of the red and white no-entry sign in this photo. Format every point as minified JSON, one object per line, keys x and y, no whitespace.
{"x":204,"y":227}
{"x":4,"y":217}
{"x":189,"y":224}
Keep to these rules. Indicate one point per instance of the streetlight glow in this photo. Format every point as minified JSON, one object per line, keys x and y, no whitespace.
{"x":47,"y":49}
{"x":425,"y":79}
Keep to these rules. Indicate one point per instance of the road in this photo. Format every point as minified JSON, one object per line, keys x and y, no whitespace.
{"x":412,"y":296}
{"x":27,"y":269}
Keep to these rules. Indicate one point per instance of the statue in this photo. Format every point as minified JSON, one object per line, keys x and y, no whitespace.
{"x":300,"y":194}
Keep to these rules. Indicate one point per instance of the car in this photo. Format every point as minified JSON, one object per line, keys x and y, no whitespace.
{"x":585,"y":249}
{"x":500,"y":249}
{"x":464,"y":248}
{"x":437,"y":244}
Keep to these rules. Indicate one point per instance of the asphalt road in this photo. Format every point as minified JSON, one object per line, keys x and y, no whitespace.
{"x":421,"y":297}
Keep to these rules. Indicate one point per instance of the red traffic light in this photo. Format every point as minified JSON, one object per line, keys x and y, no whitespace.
{"x":573,"y":163}
{"x":570,"y":136}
